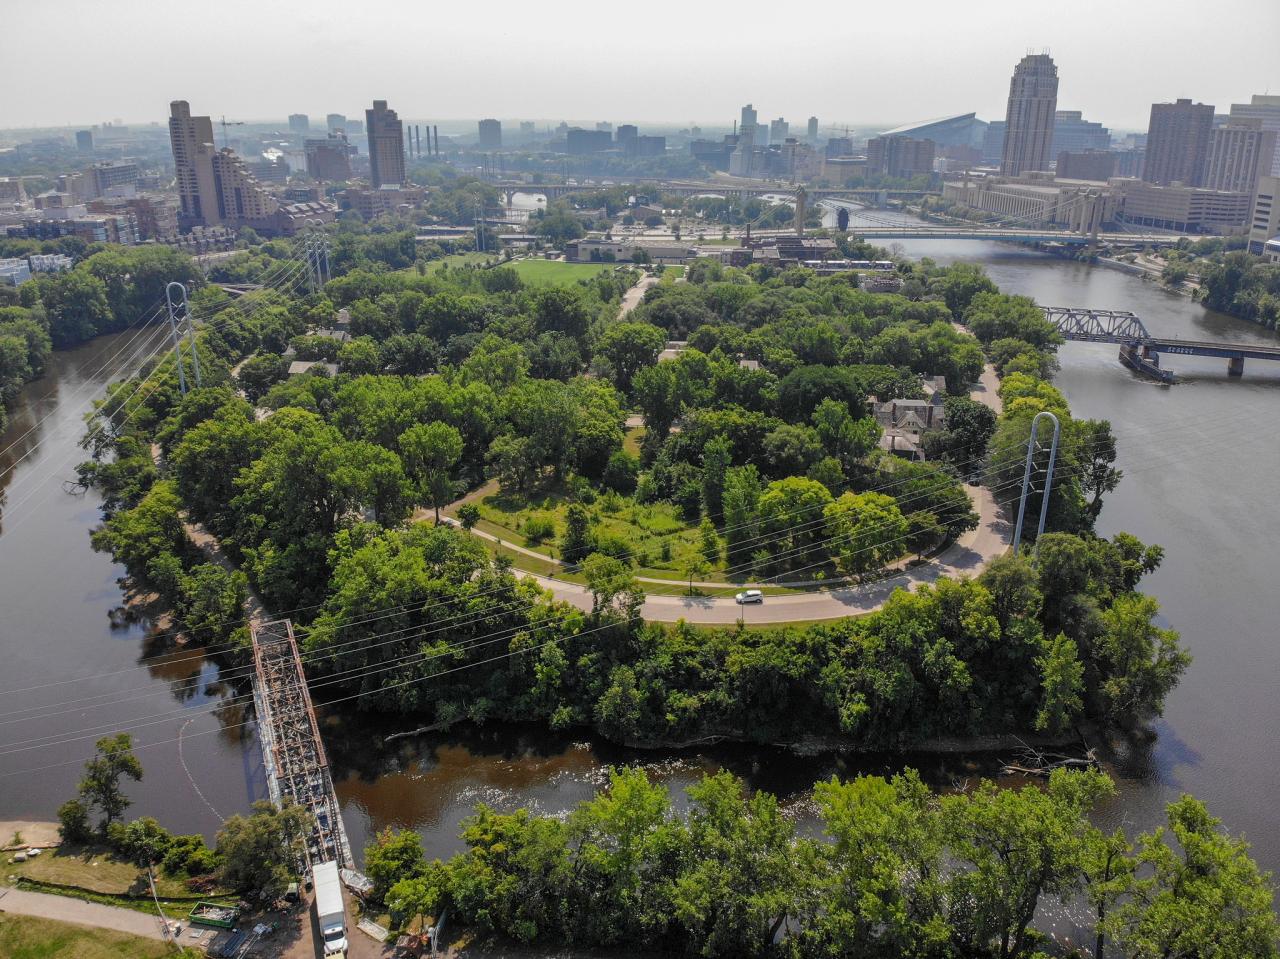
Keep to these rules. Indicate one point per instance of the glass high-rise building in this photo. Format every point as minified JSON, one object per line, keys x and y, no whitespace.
{"x":1029,"y":118}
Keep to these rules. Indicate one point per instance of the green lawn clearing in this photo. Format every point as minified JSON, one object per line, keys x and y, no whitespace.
{"x":26,"y":937}
{"x":456,"y":260}
{"x":655,"y":535}
{"x":557,"y":273}
{"x":99,"y":875}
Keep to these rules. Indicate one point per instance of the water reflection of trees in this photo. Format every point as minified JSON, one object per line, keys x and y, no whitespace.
{"x":195,"y":679}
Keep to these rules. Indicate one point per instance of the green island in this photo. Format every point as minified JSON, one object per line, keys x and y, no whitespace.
{"x":439,"y":406}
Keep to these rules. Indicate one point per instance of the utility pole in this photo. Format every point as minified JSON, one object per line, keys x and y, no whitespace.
{"x":1026,"y":480}
{"x":173,"y":330}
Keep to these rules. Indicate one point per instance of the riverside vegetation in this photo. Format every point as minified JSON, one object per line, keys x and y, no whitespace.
{"x":462,"y":375}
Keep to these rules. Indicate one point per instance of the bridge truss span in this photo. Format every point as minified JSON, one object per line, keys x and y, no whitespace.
{"x":292,"y":751}
{"x":1097,"y":326}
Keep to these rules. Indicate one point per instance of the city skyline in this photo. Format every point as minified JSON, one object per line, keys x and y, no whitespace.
{"x":337,"y":68}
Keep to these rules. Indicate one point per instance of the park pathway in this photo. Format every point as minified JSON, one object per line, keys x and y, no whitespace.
{"x":80,"y":913}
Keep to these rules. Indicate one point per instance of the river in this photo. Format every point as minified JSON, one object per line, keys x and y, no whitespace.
{"x":1199,"y":457}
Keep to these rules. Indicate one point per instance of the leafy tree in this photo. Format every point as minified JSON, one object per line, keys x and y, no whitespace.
{"x":994,"y":316}
{"x":259,"y":373}
{"x":741,"y":499}
{"x":1107,"y":868}
{"x":258,"y":852}
{"x":866,"y":530}
{"x":576,"y":542}
{"x":143,"y":842}
{"x":710,"y":542}
{"x":628,"y":348}
{"x":431,"y":451}
{"x":1013,"y":847}
{"x":843,"y":437}
{"x":614,"y":589}
{"x":880,"y":885}
{"x":468,"y":516}
{"x":75,"y":301}
{"x":1061,"y":683}
{"x":73,"y":821}
{"x":717,"y":457}
{"x":622,"y":473}
{"x":393,"y":856}
{"x":360,"y":356}
{"x":741,"y":879}
{"x":1097,"y":446}
{"x":1202,"y":897}
{"x":1140,"y":661}
{"x":100,"y":789}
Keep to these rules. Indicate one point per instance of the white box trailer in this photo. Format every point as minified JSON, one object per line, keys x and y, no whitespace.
{"x":329,"y":909}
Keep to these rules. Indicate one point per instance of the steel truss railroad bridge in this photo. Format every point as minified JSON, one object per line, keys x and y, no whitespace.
{"x":292,"y":752}
{"x":1141,"y":351}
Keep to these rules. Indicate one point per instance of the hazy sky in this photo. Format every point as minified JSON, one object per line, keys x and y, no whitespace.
{"x":85,"y":61}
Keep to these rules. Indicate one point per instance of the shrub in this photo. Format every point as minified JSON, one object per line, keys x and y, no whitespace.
{"x":73,"y":821}
{"x":539,"y":527}
{"x":613,"y":544}
{"x":622,"y":472}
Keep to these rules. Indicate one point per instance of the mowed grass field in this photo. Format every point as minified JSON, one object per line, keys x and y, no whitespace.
{"x":26,"y":937}
{"x":556,"y":273}
{"x":456,"y":260}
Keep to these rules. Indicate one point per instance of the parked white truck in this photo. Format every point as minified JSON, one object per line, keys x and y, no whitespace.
{"x":329,"y":911}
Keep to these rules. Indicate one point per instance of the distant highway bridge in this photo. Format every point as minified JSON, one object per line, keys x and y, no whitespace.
{"x":553,"y":191}
{"x":1139,"y":350}
{"x":1010,"y":234}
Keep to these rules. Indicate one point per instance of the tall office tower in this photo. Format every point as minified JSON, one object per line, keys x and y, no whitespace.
{"x":84,"y":141}
{"x":1240,"y":151}
{"x":1178,"y":143}
{"x":328,"y":159}
{"x":812,"y":132}
{"x":778,"y":130}
{"x":299,"y":123}
{"x":748,"y":121}
{"x":625,"y":135}
{"x":490,"y":135}
{"x":1266,"y":109}
{"x":1028,"y":120}
{"x":604,"y":126}
{"x":386,"y":146}
{"x":193,"y":153}
{"x":336,"y":123}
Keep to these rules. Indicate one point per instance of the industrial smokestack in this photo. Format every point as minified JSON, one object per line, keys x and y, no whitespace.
{"x":436,"y":129}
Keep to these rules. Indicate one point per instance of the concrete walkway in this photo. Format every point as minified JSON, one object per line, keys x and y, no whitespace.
{"x":631,"y":299}
{"x":65,"y":909}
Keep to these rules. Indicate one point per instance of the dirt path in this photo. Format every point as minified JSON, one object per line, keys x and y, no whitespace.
{"x":65,"y":909}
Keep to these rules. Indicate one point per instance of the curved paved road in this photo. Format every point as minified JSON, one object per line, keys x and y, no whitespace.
{"x":966,"y":556}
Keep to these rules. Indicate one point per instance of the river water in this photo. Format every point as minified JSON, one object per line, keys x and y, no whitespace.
{"x":1200,"y":459}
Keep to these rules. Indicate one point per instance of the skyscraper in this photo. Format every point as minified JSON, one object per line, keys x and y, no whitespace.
{"x":386,"y":145}
{"x":299,"y":123}
{"x":336,"y":123}
{"x":193,"y":152}
{"x":214,"y":186}
{"x":811,"y":133}
{"x":1264,"y":108}
{"x":84,"y":141}
{"x":1028,"y":120}
{"x":778,"y":130}
{"x":1240,"y":151}
{"x":1178,"y":143}
{"x":748,"y":121}
{"x":490,"y":135}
